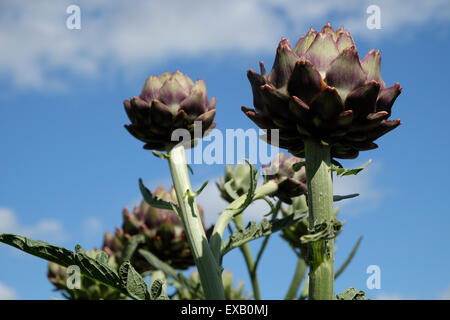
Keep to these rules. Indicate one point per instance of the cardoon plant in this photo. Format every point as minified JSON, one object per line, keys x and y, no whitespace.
{"x":324,"y":102}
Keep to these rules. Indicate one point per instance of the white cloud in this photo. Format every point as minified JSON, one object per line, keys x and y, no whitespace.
{"x":364,"y":183}
{"x":137,"y":34}
{"x":7,"y":293}
{"x":45,"y":229}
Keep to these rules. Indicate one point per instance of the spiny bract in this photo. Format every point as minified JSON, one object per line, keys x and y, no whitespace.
{"x":163,"y":232}
{"x":168,"y":102}
{"x":321,"y":90}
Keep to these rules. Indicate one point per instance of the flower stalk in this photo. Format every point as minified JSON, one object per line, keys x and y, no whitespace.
{"x":208,"y":269}
{"x":320,"y":203}
{"x":251,"y":264}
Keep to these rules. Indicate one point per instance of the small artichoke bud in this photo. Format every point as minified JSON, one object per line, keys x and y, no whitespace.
{"x":321,"y":90}
{"x":163,"y":232}
{"x":291,"y":183}
{"x":169,"y":102}
{"x":239,"y":176}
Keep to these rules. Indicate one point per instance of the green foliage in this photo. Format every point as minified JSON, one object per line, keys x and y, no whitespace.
{"x":352,"y":294}
{"x":347,"y":172}
{"x":153,"y":201}
{"x":264,"y":228}
{"x":127,"y":281}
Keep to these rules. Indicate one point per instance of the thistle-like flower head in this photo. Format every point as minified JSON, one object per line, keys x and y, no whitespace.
{"x":163,"y":232}
{"x":321,"y":90}
{"x":169,"y":102}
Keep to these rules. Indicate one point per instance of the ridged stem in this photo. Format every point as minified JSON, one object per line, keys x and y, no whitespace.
{"x":320,"y":203}
{"x":208,"y":269}
{"x":299,"y":275}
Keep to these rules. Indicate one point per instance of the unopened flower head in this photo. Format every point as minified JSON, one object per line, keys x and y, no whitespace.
{"x":321,"y":90}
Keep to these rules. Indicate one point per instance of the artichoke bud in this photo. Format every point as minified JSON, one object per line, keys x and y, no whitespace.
{"x":321,"y":90}
{"x":169,"y":102}
{"x":163,"y":234}
{"x":291,"y":183}
{"x":89,"y":289}
{"x":239,"y":179}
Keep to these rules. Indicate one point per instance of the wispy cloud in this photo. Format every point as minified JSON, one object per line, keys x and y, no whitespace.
{"x":445,"y":295}
{"x":7,"y":293}
{"x":365,"y":184}
{"x":92,"y":228}
{"x":45,"y":229}
{"x":136,"y":34}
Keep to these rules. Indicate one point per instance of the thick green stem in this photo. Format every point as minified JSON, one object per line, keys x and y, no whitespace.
{"x":299,"y":275}
{"x":208,"y":269}
{"x":320,"y":203}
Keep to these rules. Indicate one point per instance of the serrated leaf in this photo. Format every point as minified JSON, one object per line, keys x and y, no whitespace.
{"x":96,"y":269}
{"x":352,"y":294}
{"x":157,"y":291}
{"x":264,"y":228}
{"x":337,"y":198}
{"x":133,"y":282}
{"x":346,"y":172}
{"x":252,"y":186}
{"x":40,"y":249}
{"x":153,"y":201}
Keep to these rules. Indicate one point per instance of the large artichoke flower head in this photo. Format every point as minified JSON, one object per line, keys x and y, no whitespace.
{"x":163,"y":234}
{"x":321,"y":90}
{"x":168,"y":102}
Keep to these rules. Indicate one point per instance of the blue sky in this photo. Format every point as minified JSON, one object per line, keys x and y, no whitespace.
{"x":68,"y":167}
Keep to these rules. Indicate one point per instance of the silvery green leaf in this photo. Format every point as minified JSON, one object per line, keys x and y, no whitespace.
{"x":133,"y":282}
{"x":153,"y":201}
{"x":346,"y":172}
{"x":264,"y":228}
